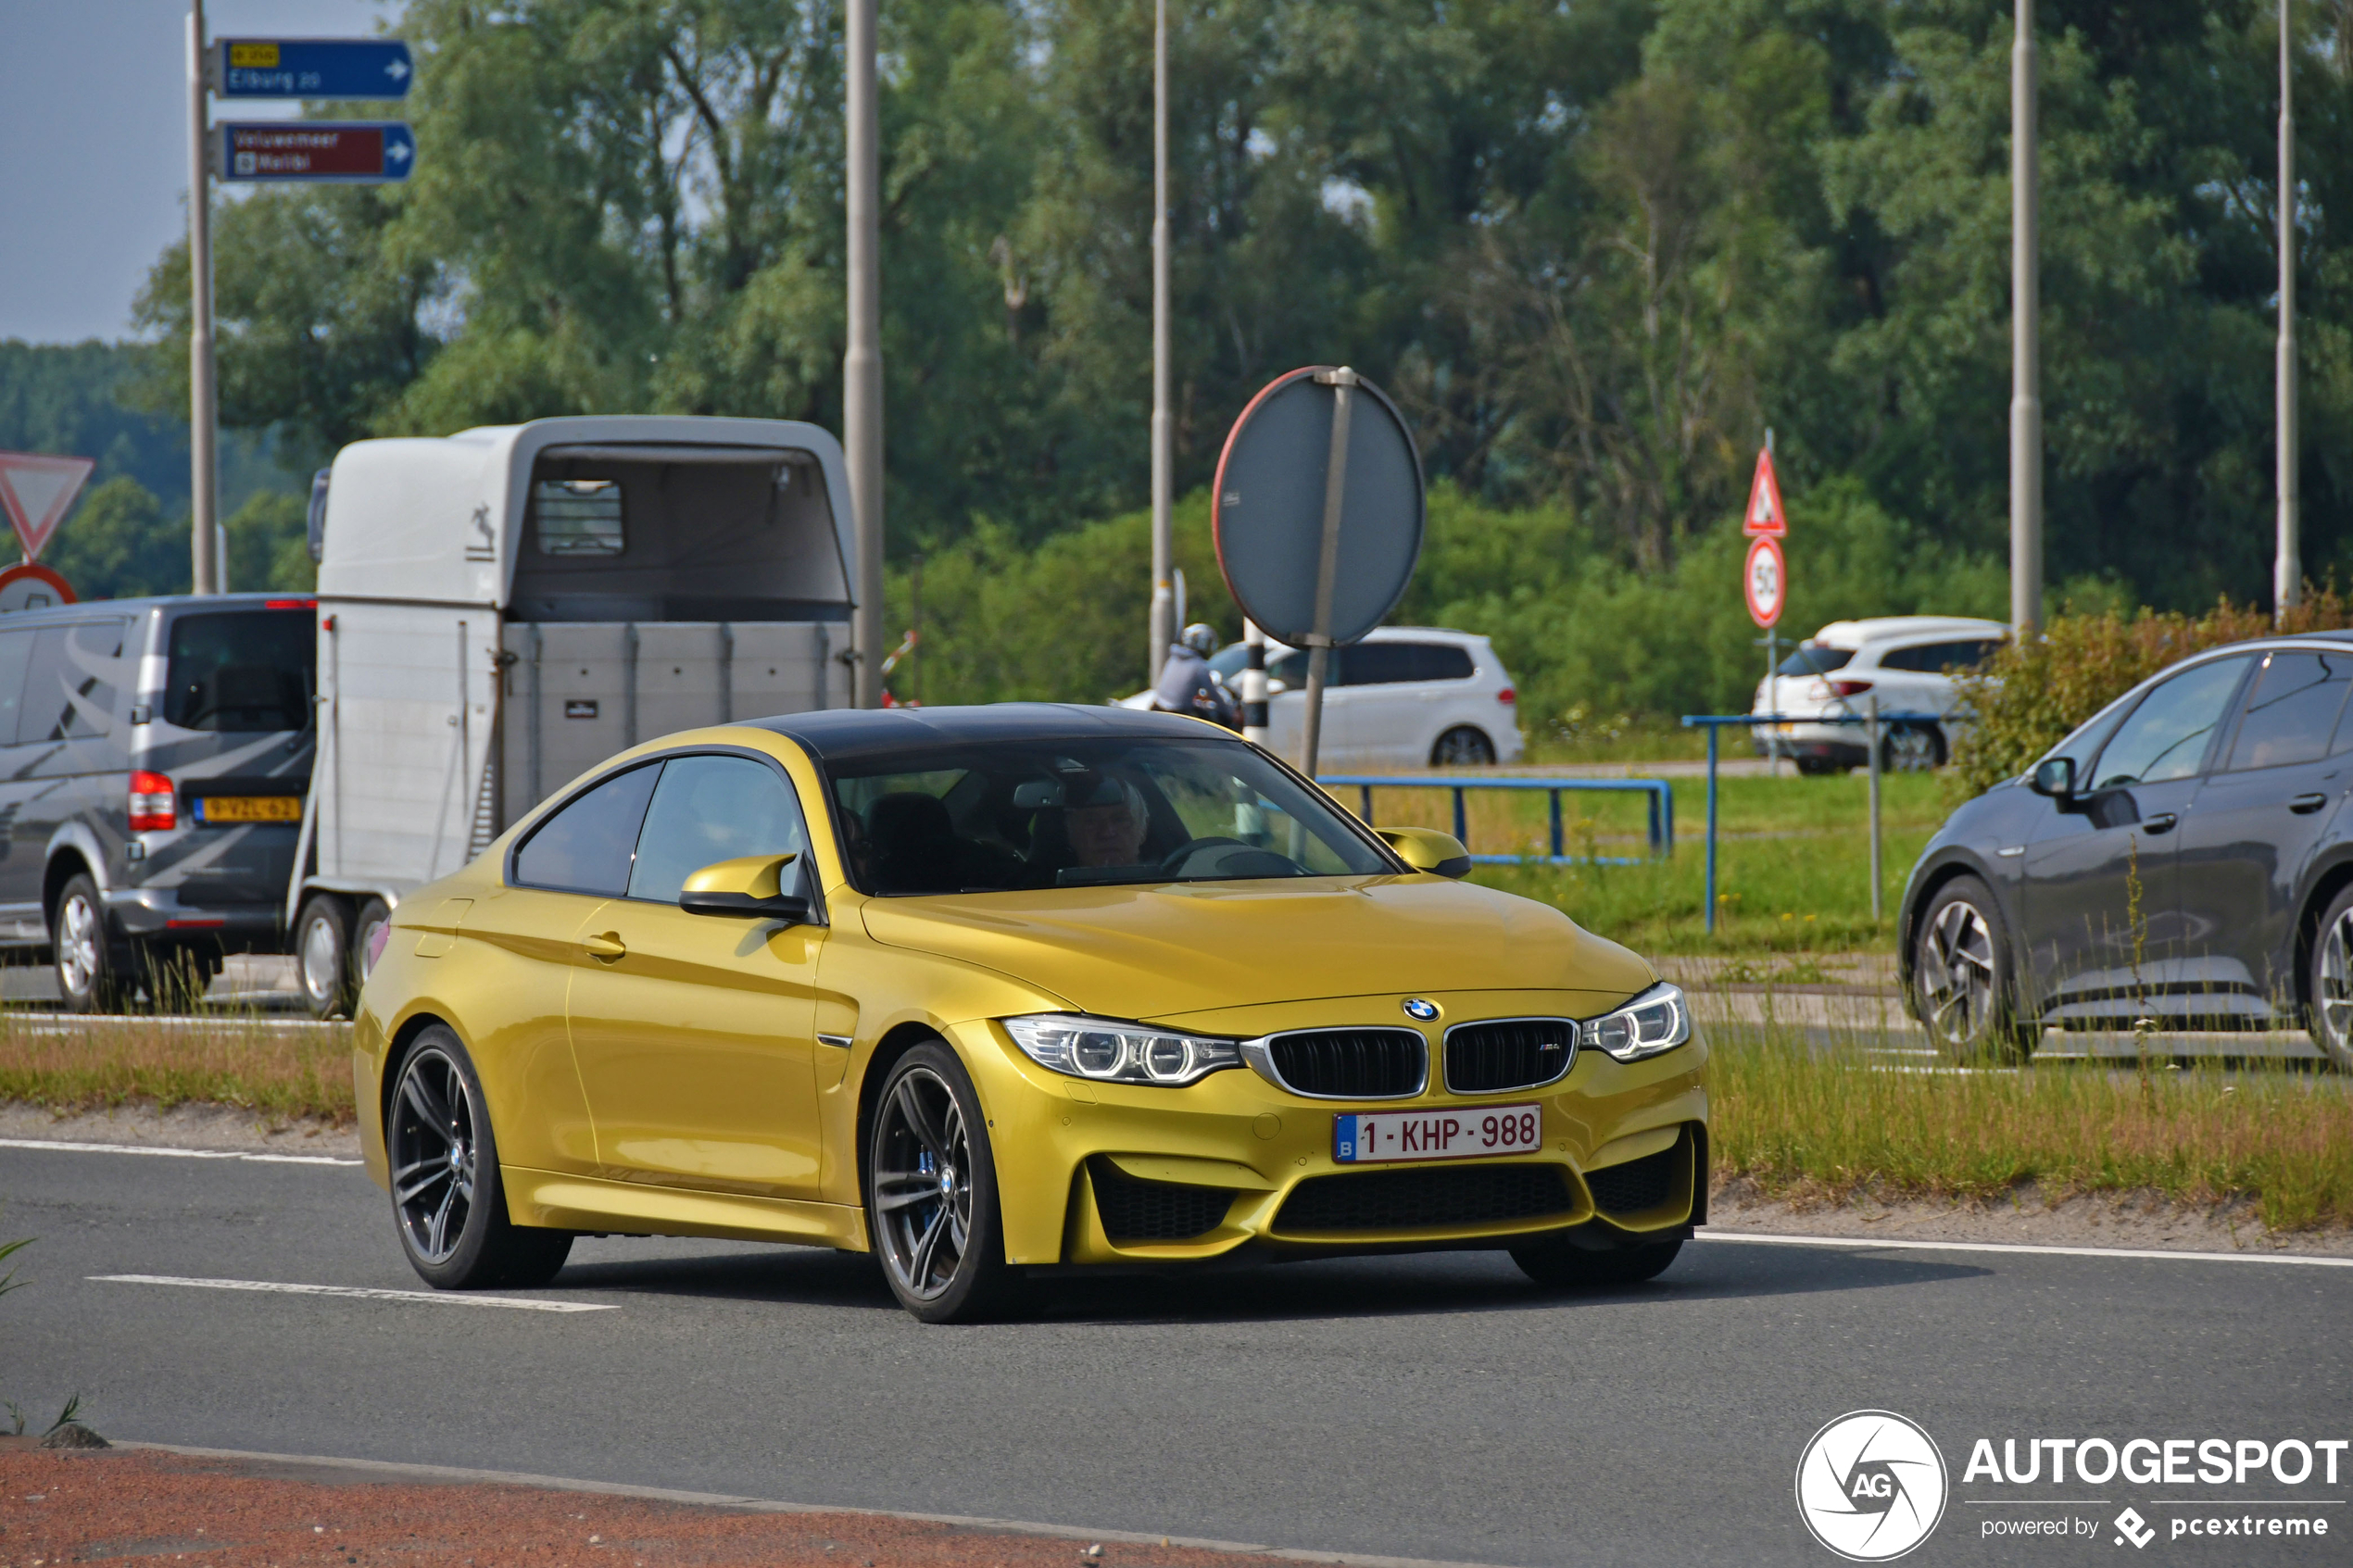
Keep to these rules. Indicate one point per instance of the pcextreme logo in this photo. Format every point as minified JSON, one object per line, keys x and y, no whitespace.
{"x":1872,"y":1485}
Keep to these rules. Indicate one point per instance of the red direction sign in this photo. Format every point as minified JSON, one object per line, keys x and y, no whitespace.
{"x":1765,"y":580}
{"x":314,"y":151}
{"x":1765,"y":518}
{"x":36,"y":490}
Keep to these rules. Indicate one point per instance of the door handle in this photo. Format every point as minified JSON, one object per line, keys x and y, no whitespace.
{"x":2303,"y":804}
{"x":606,"y":947}
{"x":2163,"y":823}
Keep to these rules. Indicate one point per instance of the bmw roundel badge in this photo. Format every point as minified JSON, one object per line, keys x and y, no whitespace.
{"x":1419,"y":1010}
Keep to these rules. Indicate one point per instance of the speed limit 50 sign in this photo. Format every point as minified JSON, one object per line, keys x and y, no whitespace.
{"x":1765,"y":580}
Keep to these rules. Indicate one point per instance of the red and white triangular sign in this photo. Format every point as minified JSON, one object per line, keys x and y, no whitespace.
{"x":1764,"y":514}
{"x":35,"y":491}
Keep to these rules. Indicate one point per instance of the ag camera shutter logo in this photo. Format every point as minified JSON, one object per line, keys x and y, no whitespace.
{"x":1872,"y":1485}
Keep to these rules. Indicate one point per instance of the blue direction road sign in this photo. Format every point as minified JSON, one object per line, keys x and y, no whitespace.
{"x":315,"y":67}
{"x":318,"y":151}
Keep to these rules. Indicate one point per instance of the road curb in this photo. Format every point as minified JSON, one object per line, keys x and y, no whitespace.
{"x":464,"y":1476}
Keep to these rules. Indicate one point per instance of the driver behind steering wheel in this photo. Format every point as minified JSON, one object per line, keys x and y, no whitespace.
{"x":1104,"y":819}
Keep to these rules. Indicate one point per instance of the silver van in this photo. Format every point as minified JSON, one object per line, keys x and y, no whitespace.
{"x":154,"y":759}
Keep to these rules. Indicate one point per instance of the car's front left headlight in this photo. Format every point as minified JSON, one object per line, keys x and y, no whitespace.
{"x":1110,"y":1051}
{"x":1658,"y":1020}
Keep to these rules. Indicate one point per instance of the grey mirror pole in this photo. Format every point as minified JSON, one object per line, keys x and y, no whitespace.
{"x":203,"y":492}
{"x":862,"y":414}
{"x":2287,"y":569}
{"x":1319,"y":641}
{"x":1874,"y":761}
{"x":2026,"y":353}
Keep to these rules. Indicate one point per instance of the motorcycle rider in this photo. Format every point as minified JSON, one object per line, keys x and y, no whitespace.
{"x":1187,"y":683}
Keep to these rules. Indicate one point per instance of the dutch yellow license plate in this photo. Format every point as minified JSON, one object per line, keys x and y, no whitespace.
{"x":249,"y":809}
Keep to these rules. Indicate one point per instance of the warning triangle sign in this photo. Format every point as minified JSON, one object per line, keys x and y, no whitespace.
{"x":1764,"y":514}
{"x":35,"y":491}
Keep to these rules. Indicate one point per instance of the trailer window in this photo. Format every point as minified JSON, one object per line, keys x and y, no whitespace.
{"x":578,"y":517}
{"x":243,"y":671}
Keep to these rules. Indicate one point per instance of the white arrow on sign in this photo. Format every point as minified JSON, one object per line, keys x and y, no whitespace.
{"x":397,"y":153}
{"x":396,"y":69}
{"x":35,"y":490}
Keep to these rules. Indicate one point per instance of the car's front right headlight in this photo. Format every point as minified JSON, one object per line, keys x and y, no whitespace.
{"x":1658,"y":1020}
{"x":1110,"y":1051}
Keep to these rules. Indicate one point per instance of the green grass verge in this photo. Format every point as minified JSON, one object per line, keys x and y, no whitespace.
{"x":1793,"y":861}
{"x":99,"y":1064}
{"x":1801,"y":1123}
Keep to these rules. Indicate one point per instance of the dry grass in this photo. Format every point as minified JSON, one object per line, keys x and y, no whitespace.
{"x":1808,"y":1122}
{"x":77,"y":1064}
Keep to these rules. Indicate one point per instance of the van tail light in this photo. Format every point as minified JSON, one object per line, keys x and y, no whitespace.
{"x":1507,"y":696}
{"x":153,"y":808}
{"x":1850,"y":688}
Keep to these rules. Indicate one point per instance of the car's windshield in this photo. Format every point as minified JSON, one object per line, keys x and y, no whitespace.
{"x":1085,"y":813}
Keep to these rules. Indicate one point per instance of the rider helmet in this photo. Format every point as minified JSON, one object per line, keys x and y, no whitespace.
{"x":1201,"y":637}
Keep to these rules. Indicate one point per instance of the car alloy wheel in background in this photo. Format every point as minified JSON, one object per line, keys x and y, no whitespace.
{"x":1908,"y":749}
{"x":2332,"y":983}
{"x":1961,"y":977}
{"x":1463,"y":746}
{"x":86,"y":972}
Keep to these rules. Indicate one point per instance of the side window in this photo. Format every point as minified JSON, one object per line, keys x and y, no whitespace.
{"x":707,"y":810}
{"x":1290,"y":669}
{"x":577,"y":516}
{"x":2291,"y":709}
{"x":1917,"y":660}
{"x":1439,"y":661}
{"x":1375,"y":664}
{"x":587,"y":847}
{"x":75,"y":678}
{"x":15,"y":655}
{"x":2168,"y":735}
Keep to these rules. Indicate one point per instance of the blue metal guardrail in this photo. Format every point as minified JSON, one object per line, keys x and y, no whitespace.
{"x":1713,"y":724}
{"x":1662,"y":809}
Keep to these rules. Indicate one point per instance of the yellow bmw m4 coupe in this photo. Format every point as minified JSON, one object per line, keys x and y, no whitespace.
{"x":994,"y":991}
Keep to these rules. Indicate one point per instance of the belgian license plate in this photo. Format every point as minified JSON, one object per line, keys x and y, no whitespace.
{"x":249,"y":809}
{"x":1459,"y":1133}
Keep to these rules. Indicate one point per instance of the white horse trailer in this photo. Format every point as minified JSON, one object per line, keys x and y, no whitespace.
{"x":503,"y":608}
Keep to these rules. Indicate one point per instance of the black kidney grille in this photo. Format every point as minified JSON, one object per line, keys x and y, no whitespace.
{"x":1638,"y":1184}
{"x":1509,"y":1054}
{"x":1352,"y":1063}
{"x":1134,"y":1210}
{"x":1401,"y":1200}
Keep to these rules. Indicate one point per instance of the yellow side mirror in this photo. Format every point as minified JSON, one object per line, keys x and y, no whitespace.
{"x":749,"y":885}
{"x":1427,"y":849}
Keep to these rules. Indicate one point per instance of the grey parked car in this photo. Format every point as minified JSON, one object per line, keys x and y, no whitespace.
{"x":2185,"y":855}
{"x":153,"y":756}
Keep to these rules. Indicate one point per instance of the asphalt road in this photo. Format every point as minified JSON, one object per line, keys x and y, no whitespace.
{"x":1432,"y":1407}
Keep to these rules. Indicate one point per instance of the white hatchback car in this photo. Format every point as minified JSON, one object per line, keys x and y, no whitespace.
{"x":1905,"y":661}
{"x":1406,"y":697}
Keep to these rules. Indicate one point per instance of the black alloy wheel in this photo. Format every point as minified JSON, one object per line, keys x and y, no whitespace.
{"x":447,"y":1198}
{"x":90,"y":969}
{"x":931,"y":1191}
{"x":2331,"y":982}
{"x":1963,"y":979}
{"x":1463,"y":746}
{"x":1558,"y":1263}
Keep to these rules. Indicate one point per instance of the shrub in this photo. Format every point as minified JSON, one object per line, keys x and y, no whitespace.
{"x":2031,"y":694}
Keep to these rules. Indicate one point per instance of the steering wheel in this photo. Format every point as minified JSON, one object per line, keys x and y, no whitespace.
{"x":1260,"y":862}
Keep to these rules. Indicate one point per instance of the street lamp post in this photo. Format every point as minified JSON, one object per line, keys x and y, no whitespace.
{"x":861,"y":419}
{"x":1161,"y":632}
{"x":203,"y":425}
{"x":2026,"y":359}
{"x":2287,"y":569}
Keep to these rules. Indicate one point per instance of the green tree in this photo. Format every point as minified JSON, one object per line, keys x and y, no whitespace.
{"x":121,"y":544}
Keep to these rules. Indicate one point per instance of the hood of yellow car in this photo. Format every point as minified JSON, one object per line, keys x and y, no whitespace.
{"x":1151,"y":952}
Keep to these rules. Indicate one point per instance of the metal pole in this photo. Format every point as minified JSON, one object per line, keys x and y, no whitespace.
{"x":1319,"y":641}
{"x":1253,"y":694}
{"x":1712,"y":731}
{"x":203,"y":468}
{"x":1162,"y":629}
{"x":1873,"y":711}
{"x":1772,"y":663}
{"x":862,"y":416}
{"x":2287,"y":574}
{"x":2026,"y":360}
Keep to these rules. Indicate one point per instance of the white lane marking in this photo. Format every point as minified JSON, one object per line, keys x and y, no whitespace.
{"x":174,"y":1153}
{"x":764,"y":1505}
{"x":1710,"y":1233}
{"x":363,"y":1293}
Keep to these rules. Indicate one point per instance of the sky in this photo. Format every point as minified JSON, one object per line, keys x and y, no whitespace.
{"x":94,"y":145}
